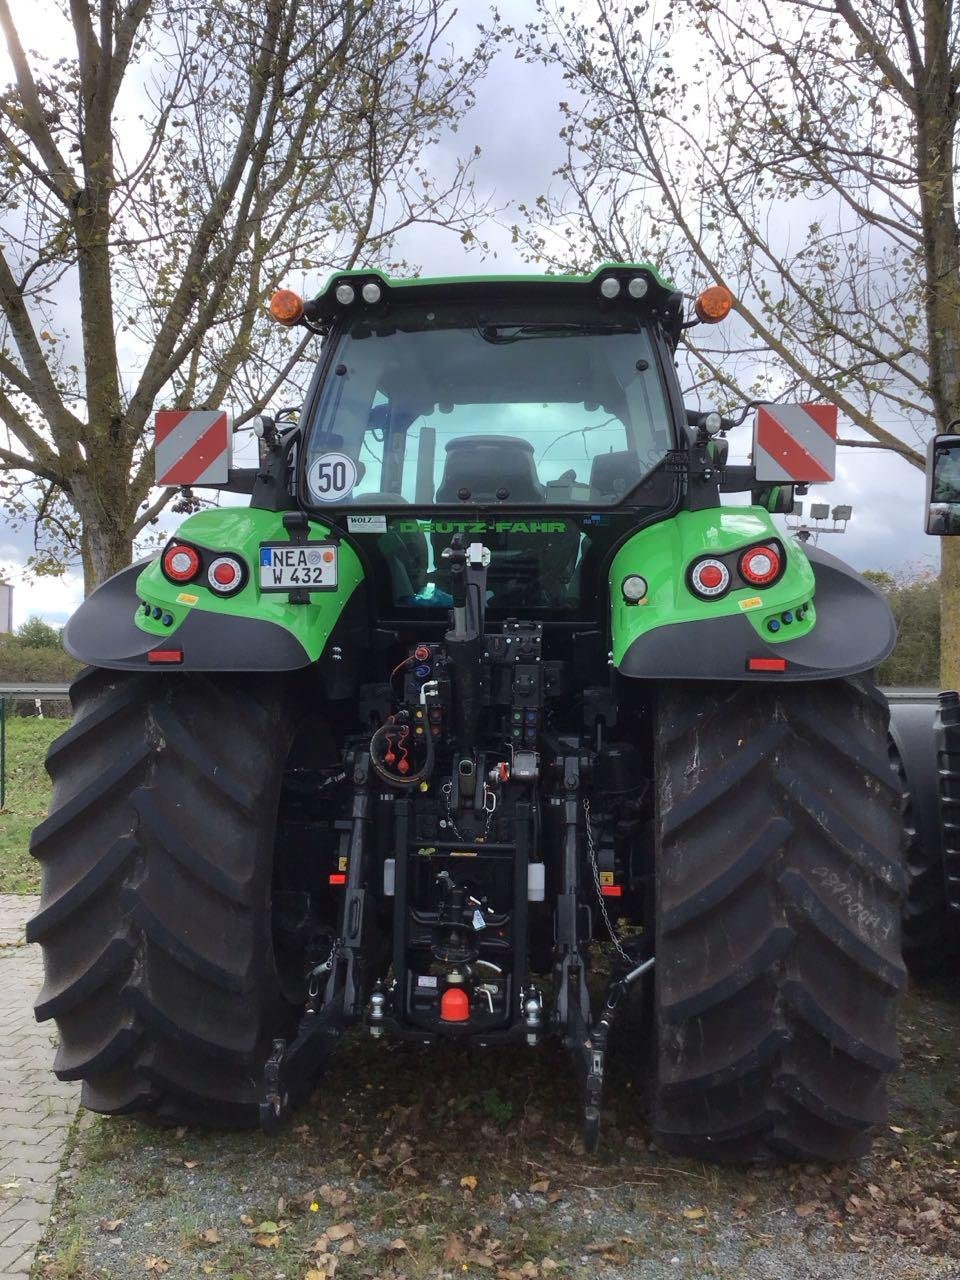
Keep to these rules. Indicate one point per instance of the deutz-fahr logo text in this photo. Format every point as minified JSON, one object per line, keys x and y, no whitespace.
{"x":480,"y":526}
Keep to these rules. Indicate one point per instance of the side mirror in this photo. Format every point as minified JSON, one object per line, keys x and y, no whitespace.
{"x":775,"y":498}
{"x":943,"y":486}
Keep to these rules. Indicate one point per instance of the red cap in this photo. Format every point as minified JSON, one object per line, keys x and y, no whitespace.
{"x":455,"y":1005}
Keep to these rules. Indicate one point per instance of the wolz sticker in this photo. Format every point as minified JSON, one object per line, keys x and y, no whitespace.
{"x":367,"y":524}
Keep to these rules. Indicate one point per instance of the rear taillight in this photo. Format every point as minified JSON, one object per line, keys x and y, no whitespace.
{"x":180,"y":562}
{"x":225,"y":575}
{"x":709,"y":578}
{"x":759,"y":565}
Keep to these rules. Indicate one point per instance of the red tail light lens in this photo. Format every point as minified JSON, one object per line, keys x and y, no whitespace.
{"x":180,"y":563}
{"x":225,"y":575}
{"x":760,"y":565}
{"x":709,"y":578}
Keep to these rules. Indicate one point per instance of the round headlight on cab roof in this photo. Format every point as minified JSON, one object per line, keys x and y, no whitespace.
{"x":344,"y":294}
{"x":638,"y":286}
{"x":371,"y":292}
{"x":610,"y":286}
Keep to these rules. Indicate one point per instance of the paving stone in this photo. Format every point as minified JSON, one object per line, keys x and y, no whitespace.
{"x":36,"y":1109}
{"x":9,"y":1258}
{"x":24,"y":1235}
{"x":24,"y":1211}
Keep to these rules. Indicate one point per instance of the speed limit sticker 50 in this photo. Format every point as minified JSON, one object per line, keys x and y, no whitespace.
{"x":331,"y":477}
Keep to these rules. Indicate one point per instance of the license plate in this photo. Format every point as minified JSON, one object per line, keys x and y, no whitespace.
{"x":310,"y":567}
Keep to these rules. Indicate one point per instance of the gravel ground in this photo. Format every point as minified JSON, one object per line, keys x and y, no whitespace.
{"x":441,"y":1164}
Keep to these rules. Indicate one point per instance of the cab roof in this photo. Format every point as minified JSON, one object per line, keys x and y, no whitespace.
{"x":660,"y":297}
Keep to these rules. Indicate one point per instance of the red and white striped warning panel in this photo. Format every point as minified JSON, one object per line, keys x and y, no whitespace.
{"x":795,"y":442}
{"x":192,"y":446}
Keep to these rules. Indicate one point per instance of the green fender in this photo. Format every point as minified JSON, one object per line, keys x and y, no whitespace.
{"x":819,"y":620}
{"x":248,"y":631}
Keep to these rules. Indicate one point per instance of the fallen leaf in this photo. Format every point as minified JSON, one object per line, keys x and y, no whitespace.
{"x":110,"y":1224}
{"x":268,"y":1228}
{"x":469,"y":1182}
{"x":190,"y":1164}
{"x":266,"y":1240}
{"x":157,"y":1265}
{"x":804,"y":1210}
{"x":314,"y":1207}
{"x":453,"y":1250}
{"x":340,"y":1231}
{"x":397,"y":1246}
{"x":329,"y":1266}
{"x":554,"y":1196}
{"x":548,"y":1264}
{"x":246,"y":1219}
{"x":693,"y":1214}
{"x":541,"y":1185}
{"x":210,"y":1236}
{"x":208,"y":1268}
{"x":333,"y":1196}
{"x":350,"y":1245}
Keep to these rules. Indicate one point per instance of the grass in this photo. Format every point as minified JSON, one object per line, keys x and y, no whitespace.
{"x":27,"y":798}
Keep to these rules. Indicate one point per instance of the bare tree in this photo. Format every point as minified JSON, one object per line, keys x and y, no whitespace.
{"x":156,"y":188}
{"x":801,"y":153}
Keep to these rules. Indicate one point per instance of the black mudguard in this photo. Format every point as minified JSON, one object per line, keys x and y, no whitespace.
{"x":855,"y":631}
{"x":103,"y":633}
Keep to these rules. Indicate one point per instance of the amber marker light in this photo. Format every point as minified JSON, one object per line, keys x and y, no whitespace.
{"x":714,"y":304}
{"x":286,"y":307}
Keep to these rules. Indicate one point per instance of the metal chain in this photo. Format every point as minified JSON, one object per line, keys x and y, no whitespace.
{"x":313,"y":987}
{"x":447,"y":790}
{"x":592,"y":854}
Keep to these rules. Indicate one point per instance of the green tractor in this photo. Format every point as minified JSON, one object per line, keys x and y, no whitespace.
{"x":483,"y":685}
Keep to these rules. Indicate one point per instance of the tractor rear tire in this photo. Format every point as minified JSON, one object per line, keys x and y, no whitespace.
{"x":930,"y":946}
{"x":155,"y":915}
{"x":779,"y":887}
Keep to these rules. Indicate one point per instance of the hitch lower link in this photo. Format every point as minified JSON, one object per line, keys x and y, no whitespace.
{"x":291,"y":1070}
{"x":595,"y":1054}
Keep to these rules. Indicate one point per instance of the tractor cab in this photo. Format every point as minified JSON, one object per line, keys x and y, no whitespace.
{"x":536,"y":419}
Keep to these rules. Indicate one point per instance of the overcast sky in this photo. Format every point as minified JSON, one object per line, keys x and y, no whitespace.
{"x":515,"y":122}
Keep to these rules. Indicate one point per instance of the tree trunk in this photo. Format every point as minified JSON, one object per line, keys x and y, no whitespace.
{"x":105,"y":552}
{"x":106,"y":541}
{"x":950,"y":613}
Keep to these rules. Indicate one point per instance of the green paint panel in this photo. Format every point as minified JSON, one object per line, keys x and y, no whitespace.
{"x":662,"y":553}
{"x":241,"y":530}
